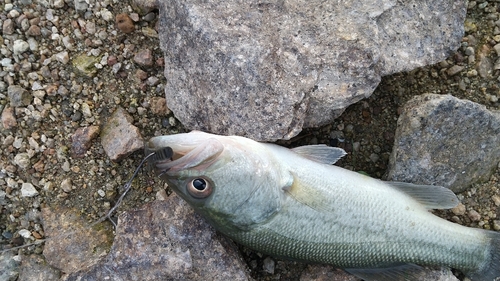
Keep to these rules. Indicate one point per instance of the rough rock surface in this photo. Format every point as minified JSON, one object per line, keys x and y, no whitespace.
{"x":119,"y":137}
{"x":36,"y":268}
{"x":266,"y":70}
{"x":442,"y":140}
{"x":165,"y":240}
{"x":72,"y":243}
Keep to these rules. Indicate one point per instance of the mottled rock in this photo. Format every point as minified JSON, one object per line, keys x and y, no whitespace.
{"x":166,"y":240}
{"x":159,"y":106}
{"x":28,"y":190}
{"x":144,"y":6}
{"x":8,"y":27}
{"x":144,"y":58}
{"x":81,"y":5}
{"x":85,"y":65}
{"x":9,"y":266}
{"x":9,"y":118}
{"x":119,"y":137}
{"x":34,"y":267}
{"x":20,"y":46}
{"x":22,"y":160}
{"x":73,"y":243}
{"x":18,"y":96}
{"x":326,"y":273}
{"x":442,"y":140}
{"x":82,"y":140}
{"x":124,"y":23}
{"x":266,"y":70}
{"x":34,"y":30}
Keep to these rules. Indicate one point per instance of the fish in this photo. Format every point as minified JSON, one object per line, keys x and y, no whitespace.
{"x":294,"y":204}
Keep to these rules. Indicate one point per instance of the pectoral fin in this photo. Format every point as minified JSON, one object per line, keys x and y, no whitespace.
{"x":431,"y":196}
{"x":405,"y":272}
{"x":320,"y":153}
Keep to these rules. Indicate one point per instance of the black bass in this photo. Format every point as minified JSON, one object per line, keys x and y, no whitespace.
{"x":294,"y":204}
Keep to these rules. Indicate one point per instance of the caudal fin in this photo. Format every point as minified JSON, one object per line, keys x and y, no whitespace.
{"x":491,"y":270}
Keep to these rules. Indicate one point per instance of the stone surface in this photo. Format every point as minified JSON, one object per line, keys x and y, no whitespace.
{"x":28,"y":190}
{"x":144,"y":58}
{"x":82,"y":140}
{"x":9,"y":266}
{"x":9,"y":118}
{"x":266,"y":70}
{"x":166,"y":240}
{"x":119,"y":137}
{"x":72,"y":243}
{"x":442,"y":140}
{"x":144,"y":6}
{"x":35,"y":267}
{"x":124,"y":23}
{"x":18,"y":96}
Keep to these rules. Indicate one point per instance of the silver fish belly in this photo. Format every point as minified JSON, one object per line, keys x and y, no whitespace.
{"x":293,"y":204}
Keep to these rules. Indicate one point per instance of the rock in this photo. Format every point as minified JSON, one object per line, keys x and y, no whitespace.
{"x":442,"y":140}
{"x":144,"y":58}
{"x":62,"y":57}
{"x":8,"y":27}
{"x":85,"y":65}
{"x":34,"y":30}
{"x":124,"y":23}
{"x":454,"y":70}
{"x":22,"y":160}
{"x":159,"y":106}
{"x":28,"y":190}
{"x":166,"y":240}
{"x":144,"y":6}
{"x":266,"y":70}
{"x":20,"y":46}
{"x":18,"y":96}
{"x":326,"y":273}
{"x":484,"y":64}
{"x":119,"y":137}
{"x":34,"y":267}
{"x":9,"y":266}
{"x":72,"y":243}
{"x":8,"y":118}
{"x":82,"y":140}
{"x":81,"y":5}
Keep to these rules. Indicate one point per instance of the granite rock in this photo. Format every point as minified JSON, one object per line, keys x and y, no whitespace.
{"x":267,"y":70}
{"x":119,"y":137}
{"x":166,"y":240}
{"x":72,"y":243}
{"x":442,"y":140}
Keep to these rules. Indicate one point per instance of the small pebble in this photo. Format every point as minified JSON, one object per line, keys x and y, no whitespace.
{"x":124,"y":23}
{"x":28,"y":190}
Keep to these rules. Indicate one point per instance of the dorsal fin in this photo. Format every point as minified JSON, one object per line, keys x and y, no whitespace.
{"x":431,"y":196}
{"x":320,"y":153}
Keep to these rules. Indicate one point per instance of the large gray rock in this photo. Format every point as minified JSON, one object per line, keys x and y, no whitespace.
{"x":267,"y":69}
{"x":442,"y":140}
{"x":165,"y":240}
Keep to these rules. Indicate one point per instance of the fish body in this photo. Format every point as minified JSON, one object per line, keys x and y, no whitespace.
{"x":294,"y":204}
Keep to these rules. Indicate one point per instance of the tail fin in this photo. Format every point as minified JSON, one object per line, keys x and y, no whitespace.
{"x":491,"y":270}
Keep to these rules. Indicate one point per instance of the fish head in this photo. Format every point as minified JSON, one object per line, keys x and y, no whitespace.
{"x":231,"y":181}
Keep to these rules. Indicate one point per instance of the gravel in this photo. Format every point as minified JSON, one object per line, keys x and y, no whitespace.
{"x":50,"y":95}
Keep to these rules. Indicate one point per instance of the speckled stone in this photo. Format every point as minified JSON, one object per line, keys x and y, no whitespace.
{"x":166,"y":240}
{"x":442,"y":140}
{"x":119,"y":137}
{"x":267,"y":70}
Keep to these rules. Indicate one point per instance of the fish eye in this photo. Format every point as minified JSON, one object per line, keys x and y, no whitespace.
{"x":199,"y":188}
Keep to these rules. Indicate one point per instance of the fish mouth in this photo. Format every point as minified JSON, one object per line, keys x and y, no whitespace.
{"x":176,"y":153}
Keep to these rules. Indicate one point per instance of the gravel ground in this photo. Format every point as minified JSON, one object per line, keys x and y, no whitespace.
{"x":43,"y":47}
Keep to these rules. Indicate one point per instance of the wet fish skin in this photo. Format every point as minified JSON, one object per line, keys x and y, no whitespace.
{"x":287,"y":204}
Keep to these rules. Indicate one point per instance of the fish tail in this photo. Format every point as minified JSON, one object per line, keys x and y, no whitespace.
{"x":490,"y":270}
